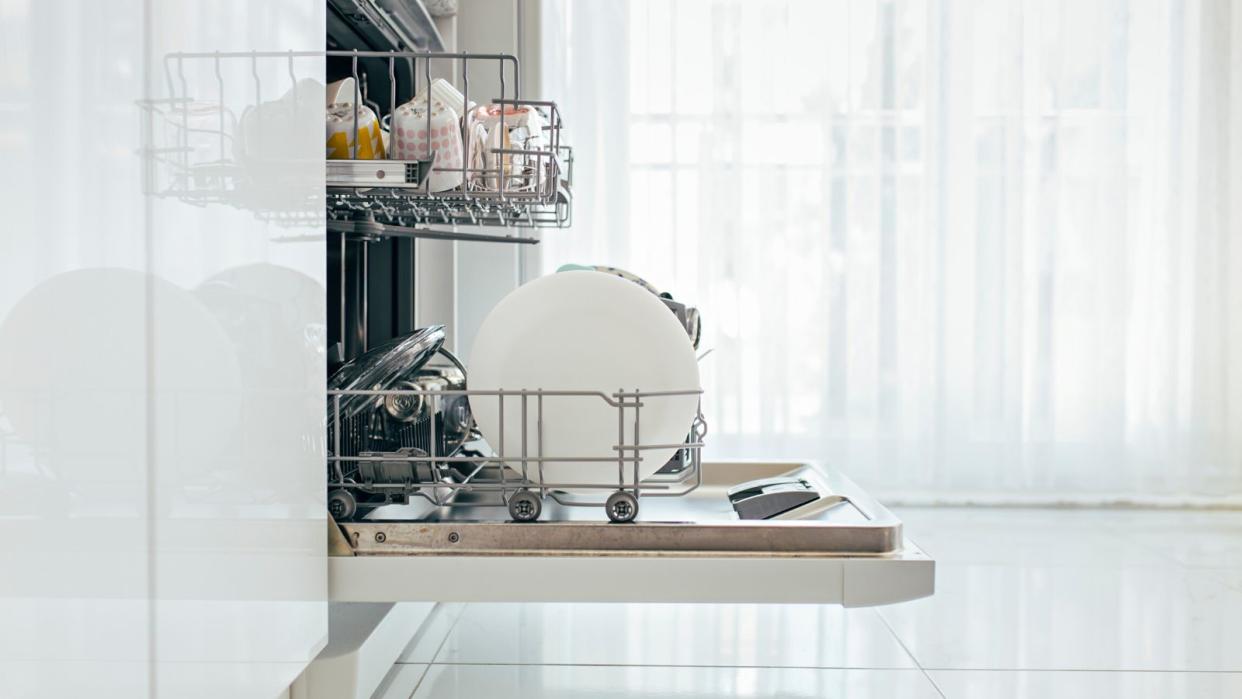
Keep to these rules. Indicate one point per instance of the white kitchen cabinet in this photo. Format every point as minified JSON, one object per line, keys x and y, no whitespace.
{"x":161,"y":405}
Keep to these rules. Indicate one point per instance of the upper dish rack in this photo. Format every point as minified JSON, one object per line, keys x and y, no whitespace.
{"x":243,"y":139}
{"x":449,"y":161}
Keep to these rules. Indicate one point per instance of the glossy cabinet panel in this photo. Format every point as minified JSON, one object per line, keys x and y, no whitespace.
{"x":161,"y":349}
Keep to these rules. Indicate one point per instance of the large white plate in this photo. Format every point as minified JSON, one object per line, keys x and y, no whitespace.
{"x":583,"y":331}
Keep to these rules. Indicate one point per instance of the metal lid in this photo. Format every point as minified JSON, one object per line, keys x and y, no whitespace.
{"x":383,"y":368}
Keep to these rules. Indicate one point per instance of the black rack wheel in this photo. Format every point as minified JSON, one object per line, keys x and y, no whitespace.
{"x":341,"y":504}
{"x":621,"y":506}
{"x":525,"y":506}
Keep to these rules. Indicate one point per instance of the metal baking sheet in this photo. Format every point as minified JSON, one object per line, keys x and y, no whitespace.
{"x":701,"y":522}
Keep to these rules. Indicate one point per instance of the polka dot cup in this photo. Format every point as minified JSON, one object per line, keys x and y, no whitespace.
{"x":411,"y":139}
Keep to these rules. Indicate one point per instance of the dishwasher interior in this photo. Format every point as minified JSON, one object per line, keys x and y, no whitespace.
{"x":410,"y":477}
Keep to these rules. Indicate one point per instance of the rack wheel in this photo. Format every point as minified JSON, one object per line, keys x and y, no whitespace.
{"x":341,"y":504}
{"x":621,"y":507}
{"x":525,"y":506}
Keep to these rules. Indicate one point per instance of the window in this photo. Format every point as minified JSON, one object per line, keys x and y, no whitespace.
{"x":949,"y":247}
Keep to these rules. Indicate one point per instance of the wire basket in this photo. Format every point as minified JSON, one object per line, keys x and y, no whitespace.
{"x":205,"y":142}
{"x":423,"y":443}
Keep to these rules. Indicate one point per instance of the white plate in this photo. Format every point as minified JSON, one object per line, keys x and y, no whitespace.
{"x":583,"y":331}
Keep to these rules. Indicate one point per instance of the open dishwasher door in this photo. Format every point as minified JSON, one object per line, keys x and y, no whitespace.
{"x":840,"y":547}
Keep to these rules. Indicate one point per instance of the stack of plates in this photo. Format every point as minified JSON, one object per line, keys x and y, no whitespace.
{"x":589,"y":331}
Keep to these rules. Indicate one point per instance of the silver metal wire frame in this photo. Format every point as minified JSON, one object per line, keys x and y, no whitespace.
{"x":529,"y":186}
{"x":546,"y":193}
{"x":479,"y":480}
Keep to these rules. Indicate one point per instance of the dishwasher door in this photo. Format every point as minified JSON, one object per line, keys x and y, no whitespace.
{"x":692,"y":548}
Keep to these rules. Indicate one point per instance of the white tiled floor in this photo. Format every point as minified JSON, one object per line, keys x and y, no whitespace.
{"x":1029,"y":603}
{"x":672,"y":634}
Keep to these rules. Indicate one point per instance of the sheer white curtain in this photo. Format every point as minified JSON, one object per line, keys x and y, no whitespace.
{"x":958,"y":249}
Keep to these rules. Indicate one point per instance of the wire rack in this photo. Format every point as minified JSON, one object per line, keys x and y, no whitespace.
{"x":198,"y":150}
{"x":423,"y":443}
{"x":550,"y":208}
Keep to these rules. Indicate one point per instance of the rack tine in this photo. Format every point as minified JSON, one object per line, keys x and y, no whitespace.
{"x":620,"y":396}
{"x":500,"y":158}
{"x":336,"y":429}
{"x":430,"y":154}
{"x":465,"y":124}
{"x":637,"y":450}
{"x":431,"y":446}
{"x":525,"y":476}
{"x":357,"y":100}
{"x":500,"y":450}
{"x":392,"y":101}
{"x":539,"y":441}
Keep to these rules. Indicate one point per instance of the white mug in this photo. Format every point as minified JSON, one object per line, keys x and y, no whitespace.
{"x":340,"y":92}
{"x":340,"y":133}
{"x":442,"y":91}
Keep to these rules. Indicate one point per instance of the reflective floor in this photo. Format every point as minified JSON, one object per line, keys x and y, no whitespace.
{"x":1029,"y":603}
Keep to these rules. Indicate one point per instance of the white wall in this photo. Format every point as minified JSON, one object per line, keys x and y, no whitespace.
{"x":460,"y":282}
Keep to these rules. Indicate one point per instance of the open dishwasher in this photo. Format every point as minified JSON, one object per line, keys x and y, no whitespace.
{"x":417,"y":495}
{"x":421,"y":507}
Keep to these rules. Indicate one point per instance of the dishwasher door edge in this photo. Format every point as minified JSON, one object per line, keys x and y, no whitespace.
{"x":851,"y":581}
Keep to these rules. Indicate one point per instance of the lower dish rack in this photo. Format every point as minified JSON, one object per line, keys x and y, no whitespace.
{"x":448,"y":509}
{"x":409,"y":444}
{"x":417,"y":454}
